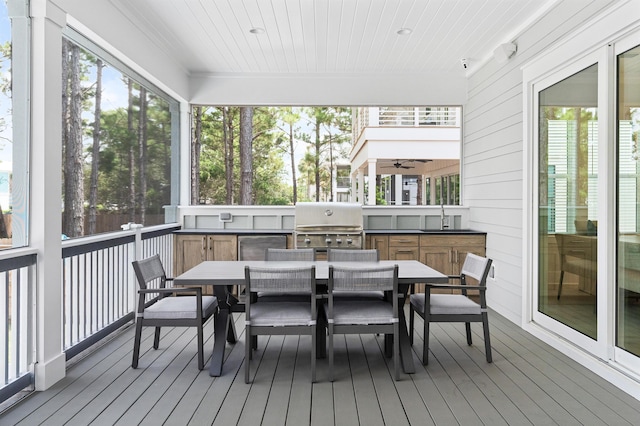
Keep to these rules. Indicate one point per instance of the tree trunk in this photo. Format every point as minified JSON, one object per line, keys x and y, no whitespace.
{"x":246,"y":155}
{"x":293,"y":164}
{"x":95,"y":153}
{"x":317,"y":160}
{"x":132,"y":156}
{"x":142,"y":159}
{"x":195,"y":155}
{"x":74,"y":189}
{"x":65,"y":121}
{"x":227,"y":129}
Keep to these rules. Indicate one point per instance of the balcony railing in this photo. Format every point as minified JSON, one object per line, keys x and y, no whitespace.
{"x":99,"y":293}
{"x":98,"y":282}
{"x":17,"y":347}
{"x":405,"y":117}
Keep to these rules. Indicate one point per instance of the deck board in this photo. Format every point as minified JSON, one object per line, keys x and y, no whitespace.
{"x":528,"y":383}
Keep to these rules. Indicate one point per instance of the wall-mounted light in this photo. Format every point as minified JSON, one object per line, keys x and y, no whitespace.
{"x":504,"y":51}
{"x":404,"y":31}
{"x":257,"y":30}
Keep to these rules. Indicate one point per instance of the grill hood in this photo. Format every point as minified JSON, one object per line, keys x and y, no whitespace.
{"x":328,"y":216}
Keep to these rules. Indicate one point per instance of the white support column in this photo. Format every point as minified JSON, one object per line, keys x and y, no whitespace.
{"x":423,"y":189}
{"x":46,"y":188}
{"x":353,"y":194}
{"x":360,"y":198}
{"x":371,"y":199}
{"x":398,"y":190}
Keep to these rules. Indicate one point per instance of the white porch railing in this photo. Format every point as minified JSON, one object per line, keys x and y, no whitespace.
{"x":17,"y":348}
{"x":99,"y":286}
{"x":99,"y":293}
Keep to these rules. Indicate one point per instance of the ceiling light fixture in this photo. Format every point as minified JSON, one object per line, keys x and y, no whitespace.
{"x":257,"y":30}
{"x":404,"y":31}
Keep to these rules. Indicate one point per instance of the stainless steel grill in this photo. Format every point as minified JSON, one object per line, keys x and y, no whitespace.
{"x":323,"y":225}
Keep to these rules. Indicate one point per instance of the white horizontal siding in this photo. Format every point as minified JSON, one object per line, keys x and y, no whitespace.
{"x":493,"y":149}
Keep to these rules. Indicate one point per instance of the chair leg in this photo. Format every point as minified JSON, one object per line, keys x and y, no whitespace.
{"x":156,"y":338}
{"x":331,"y":352}
{"x":467,"y":326}
{"x":425,"y":342}
{"x":396,"y":351}
{"x":487,"y":341}
{"x":136,"y":343}
{"x":200,"y":348}
{"x":313,"y":353}
{"x":560,"y":284}
{"x":247,"y":352}
{"x":411,"y":323}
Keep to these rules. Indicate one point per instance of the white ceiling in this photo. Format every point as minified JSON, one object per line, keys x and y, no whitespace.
{"x":331,"y":36}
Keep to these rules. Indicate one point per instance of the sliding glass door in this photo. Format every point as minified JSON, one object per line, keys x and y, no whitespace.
{"x":568,"y":201}
{"x":628,"y":190}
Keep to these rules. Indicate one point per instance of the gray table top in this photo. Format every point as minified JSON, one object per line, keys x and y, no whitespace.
{"x":221,"y":272}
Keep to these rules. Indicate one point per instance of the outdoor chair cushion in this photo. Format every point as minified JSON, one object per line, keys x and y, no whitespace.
{"x":361,"y":312}
{"x":281,"y":314}
{"x":446,"y":304}
{"x":180,"y":307}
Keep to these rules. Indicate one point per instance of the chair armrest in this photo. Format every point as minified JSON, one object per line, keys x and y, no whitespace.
{"x":455,"y":287}
{"x":197,"y":290}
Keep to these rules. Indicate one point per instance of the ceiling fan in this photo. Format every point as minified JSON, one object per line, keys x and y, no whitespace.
{"x":400,"y":164}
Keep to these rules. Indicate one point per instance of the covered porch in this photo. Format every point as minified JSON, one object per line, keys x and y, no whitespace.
{"x":528,"y":383}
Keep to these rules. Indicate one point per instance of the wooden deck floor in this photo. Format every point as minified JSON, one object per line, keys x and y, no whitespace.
{"x":528,"y":383}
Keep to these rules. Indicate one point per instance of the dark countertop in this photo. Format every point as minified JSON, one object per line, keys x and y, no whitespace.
{"x":208,"y":231}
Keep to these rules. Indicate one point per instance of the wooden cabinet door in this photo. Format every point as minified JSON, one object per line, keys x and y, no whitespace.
{"x":438,"y":258}
{"x":189,"y":250}
{"x":223,"y":247}
{"x":380,"y":242}
{"x":404,"y":253}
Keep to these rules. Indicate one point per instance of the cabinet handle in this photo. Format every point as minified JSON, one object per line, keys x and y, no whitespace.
{"x":404,"y":251}
{"x":457,"y":256}
{"x":450,"y":255}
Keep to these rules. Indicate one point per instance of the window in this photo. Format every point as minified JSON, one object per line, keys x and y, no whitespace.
{"x":14,"y":116}
{"x":281,"y":155}
{"x":118,"y":138}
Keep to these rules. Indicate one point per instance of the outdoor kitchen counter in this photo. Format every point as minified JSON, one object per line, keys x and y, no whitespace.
{"x":423,"y":231}
{"x":213,"y":231}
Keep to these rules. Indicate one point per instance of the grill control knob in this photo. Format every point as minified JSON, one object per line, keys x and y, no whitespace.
{"x":328,"y":241}
{"x":349,"y":241}
{"x":307,"y":240}
{"x":338,"y":240}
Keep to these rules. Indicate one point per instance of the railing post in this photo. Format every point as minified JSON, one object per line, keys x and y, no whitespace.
{"x":137,"y":228}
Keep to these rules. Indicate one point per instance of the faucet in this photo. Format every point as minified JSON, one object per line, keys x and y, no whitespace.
{"x":443,"y":218}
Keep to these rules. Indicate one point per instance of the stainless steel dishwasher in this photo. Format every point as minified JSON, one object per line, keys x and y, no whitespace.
{"x":253,"y":247}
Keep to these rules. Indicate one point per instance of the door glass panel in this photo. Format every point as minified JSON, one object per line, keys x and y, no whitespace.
{"x":567,"y":218}
{"x":628,"y":264}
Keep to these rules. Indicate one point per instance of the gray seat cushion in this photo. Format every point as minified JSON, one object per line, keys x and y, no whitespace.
{"x":181,"y":307}
{"x":281,"y":314}
{"x":361,"y":312}
{"x":372,"y":294}
{"x":446,"y":304}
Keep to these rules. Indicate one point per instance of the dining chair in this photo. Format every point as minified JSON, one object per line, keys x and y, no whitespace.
{"x":281,"y":317}
{"x":434,"y":307}
{"x":357,"y":316}
{"x":353,"y":255}
{"x":170,"y":307}
{"x":301,"y":254}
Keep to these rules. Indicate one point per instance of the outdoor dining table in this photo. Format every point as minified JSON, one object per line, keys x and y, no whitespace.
{"x":222,"y":275}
